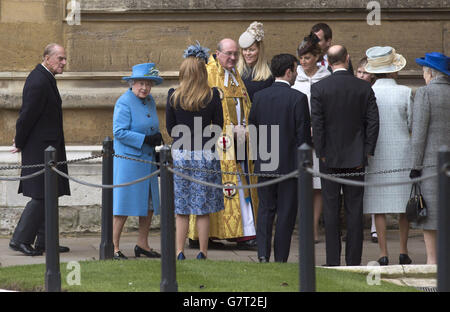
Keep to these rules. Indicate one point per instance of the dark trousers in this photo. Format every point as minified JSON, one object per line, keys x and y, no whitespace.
{"x":281,"y":200}
{"x":31,"y":224}
{"x":353,"y":205}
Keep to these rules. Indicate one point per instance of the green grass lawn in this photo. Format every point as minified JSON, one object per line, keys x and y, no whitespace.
{"x":192,"y":276}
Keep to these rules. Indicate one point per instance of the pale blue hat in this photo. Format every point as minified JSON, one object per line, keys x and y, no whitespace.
{"x":382,"y":60}
{"x":145,"y":71}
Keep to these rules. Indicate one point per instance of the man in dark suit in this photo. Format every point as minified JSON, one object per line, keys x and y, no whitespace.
{"x":278,"y":106}
{"x":345,"y":123}
{"x":40,"y":124}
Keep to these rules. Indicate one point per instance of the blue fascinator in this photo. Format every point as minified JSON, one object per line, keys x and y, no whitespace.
{"x":197,"y":51}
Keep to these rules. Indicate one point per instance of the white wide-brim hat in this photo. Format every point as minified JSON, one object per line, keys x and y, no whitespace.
{"x":381,"y":60}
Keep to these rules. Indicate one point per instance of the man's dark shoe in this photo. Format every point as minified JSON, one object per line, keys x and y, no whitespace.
{"x":404,"y":259}
{"x":26,"y":249}
{"x":248,"y":245}
{"x":263,"y":259}
{"x":61,"y":249}
{"x":383,"y":261}
{"x":194,"y":244}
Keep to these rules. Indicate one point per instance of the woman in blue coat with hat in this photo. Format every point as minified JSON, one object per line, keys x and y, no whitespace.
{"x":136,"y":133}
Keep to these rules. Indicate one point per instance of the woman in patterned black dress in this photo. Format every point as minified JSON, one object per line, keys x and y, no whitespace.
{"x":193,"y":110}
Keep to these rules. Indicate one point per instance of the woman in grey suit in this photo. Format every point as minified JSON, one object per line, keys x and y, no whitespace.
{"x":393,"y":148}
{"x":431,"y":130}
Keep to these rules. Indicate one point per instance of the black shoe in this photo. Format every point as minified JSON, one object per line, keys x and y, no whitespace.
{"x":404,"y":259}
{"x":374,"y":238}
{"x":119,"y":256}
{"x":181,"y":256}
{"x":194,"y":244}
{"x":215,"y":245}
{"x":383,"y":260}
{"x":26,"y":249}
{"x":263,"y":259}
{"x":248,"y":245}
{"x":61,"y":249}
{"x":201,"y":256}
{"x":138,"y":251}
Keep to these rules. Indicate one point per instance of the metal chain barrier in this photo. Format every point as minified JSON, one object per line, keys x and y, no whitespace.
{"x":104,"y":186}
{"x":137,"y":159}
{"x":72,"y":161}
{"x":293,"y":174}
{"x":265,"y":175}
{"x":387,"y":171}
{"x":35,"y":174}
{"x":333,"y":178}
{"x":338,"y":178}
{"x":21,"y":167}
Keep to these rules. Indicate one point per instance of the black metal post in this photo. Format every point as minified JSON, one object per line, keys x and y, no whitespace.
{"x":52,"y":273}
{"x":443,"y":239}
{"x":168,"y":265}
{"x":106,"y":244}
{"x":306,"y":221}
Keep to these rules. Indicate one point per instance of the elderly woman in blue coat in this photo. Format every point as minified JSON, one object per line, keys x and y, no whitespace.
{"x":136,"y":133}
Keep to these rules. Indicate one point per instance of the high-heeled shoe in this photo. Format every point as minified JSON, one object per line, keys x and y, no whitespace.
{"x":119,"y":256}
{"x":404,"y":259}
{"x":383,"y":260}
{"x":181,"y":256}
{"x":138,"y":251}
{"x":201,"y":256}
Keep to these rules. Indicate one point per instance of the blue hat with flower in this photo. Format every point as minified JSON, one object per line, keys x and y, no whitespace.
{"x":145,"y":71}
{"x":437,"y":61}
{"x":196,"y":50}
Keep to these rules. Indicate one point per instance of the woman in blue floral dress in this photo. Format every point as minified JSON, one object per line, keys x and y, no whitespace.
{"x":193,"y":119}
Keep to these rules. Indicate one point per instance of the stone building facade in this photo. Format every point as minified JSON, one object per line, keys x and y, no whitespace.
{"x":113,"y":35}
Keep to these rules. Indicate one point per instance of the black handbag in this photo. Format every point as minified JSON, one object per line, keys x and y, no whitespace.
{"x":416,"y":209}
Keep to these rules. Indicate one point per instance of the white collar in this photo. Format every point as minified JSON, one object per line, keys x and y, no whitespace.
{"x":339,"y":69}
{"x":282,"y":80}
{"x":227,"y":77}
{"x":47,"y":69}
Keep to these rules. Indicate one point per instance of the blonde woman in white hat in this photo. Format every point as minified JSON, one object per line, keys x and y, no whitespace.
{"x":252,"y":65}
{"x":392,"y":150}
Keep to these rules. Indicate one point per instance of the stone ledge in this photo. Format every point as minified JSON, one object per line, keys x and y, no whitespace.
{"x":392,"y":271}
{"x":72,"y":152}
{"x":85,"y":75}
{"x":248,"y":5}
{"x":82,"y":90}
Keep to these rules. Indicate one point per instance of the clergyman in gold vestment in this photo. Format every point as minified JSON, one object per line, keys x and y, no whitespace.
{"x":238,"y":219}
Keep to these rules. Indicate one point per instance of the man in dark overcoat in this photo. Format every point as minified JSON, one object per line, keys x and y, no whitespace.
{"x":40,"y":124}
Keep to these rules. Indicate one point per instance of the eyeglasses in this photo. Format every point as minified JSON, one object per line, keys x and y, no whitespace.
{"x":229,"y":53}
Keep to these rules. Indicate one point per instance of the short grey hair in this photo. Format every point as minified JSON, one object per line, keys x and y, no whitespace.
{"x":50,"y":49}
{"x":434,"y":73}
